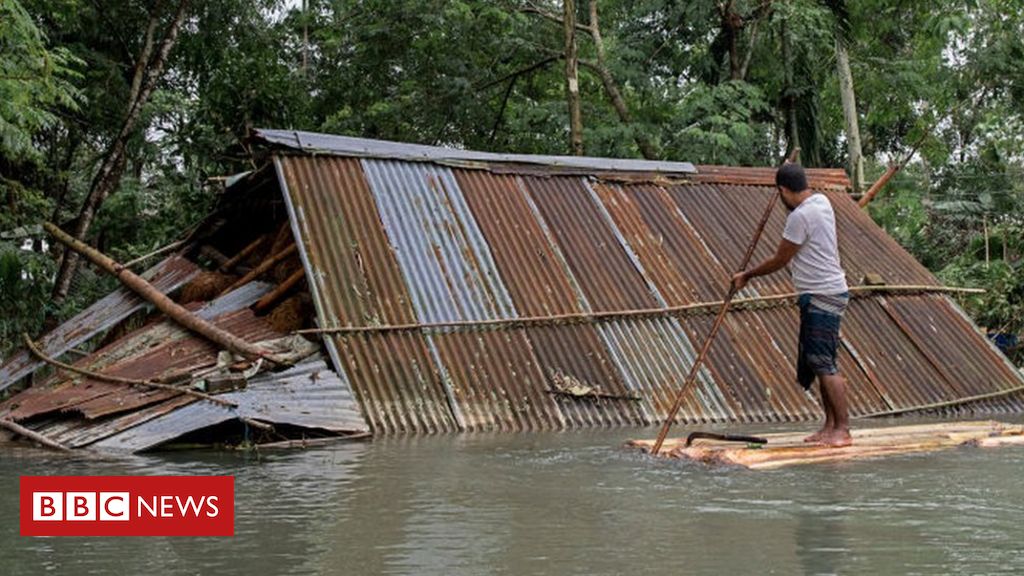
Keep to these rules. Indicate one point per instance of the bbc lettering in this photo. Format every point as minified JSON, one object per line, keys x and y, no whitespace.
{"x":80,"y":506}
{"x":114,"y":506}
{"x":127,"y":505}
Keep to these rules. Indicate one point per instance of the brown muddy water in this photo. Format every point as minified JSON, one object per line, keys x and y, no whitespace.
{"x":559,"y":503}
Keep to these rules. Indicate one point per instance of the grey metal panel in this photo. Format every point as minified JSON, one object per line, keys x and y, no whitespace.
{"x":444,"y":257}
{"x":654,"y":356}
{"x":309,"y":395}
{"x":361,"y":147}
{"x":166,"y":276}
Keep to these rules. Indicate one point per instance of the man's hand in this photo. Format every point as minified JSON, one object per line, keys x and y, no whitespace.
{"x":739,"y":280}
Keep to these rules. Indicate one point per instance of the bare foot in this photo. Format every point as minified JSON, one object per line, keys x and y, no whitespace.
{"x":817,"y":436}
{"x":836,"y":439}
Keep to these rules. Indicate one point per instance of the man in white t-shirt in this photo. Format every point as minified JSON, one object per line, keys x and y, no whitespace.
{"x":809,"y":246}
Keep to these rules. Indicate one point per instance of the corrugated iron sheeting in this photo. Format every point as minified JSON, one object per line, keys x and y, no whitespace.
{"x":459,"y":244}
{"x":167,"y":276}
{"x":905,"y":378}
{"x":969,"y":362}
{"x":150,"y":352}
{"x":365,"y":148}
{"x":539,"y":282}
{"x":864,"y":248}
{"x":446,"y":263}
{"x":359,"y":283}
{"x":603,"y":270}
{"x":310,"y":395}
{"x":819,"y":178}
{"x":727,"y":232}
{"x":93,"y":398}
{"x":655,"y":356}
{"x":668,"y":248}
{"x":533,"y":274}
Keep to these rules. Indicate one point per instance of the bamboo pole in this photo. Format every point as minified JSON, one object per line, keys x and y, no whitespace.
{"x":878,"y":185}
{"x":691,"y":378}
{"x":584,"y":317}
{"x":943,"y":404}
{"x":282,"y":289}
{"x":169,"y":307}
{"x":262,"y":268}
{"x":242,"y":255}
{"x":32,"y":435}
{"x":119,"y":380}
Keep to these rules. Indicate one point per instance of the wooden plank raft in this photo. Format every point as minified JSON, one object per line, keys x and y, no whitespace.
{"x":789,"y":449}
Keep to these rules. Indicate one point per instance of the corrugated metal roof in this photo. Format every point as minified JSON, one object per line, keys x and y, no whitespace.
{"x":310,"y":395}
{"x":313,"y":143}
{"x":166,"y":276}
{"x":393,"y":241}
{"x":153,"y":351}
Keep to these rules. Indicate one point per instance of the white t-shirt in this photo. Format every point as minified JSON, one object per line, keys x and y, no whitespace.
{"x":815,"y":268}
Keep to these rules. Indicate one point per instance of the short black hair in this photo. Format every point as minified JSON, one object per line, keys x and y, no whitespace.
{"x":791,"y":176}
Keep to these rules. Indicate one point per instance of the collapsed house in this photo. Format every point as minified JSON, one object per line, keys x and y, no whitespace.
{"x":424,"y":289}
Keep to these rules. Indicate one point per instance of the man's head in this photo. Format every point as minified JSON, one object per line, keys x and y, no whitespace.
{"x":792,"y":184}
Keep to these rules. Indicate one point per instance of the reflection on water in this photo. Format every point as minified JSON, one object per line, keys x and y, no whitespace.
{"x":570,"y":503}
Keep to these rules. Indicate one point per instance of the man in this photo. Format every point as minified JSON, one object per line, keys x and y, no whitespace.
{"x":809,"y":245}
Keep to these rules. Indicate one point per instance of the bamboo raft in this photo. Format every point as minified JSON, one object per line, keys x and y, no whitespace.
{"x":789,"y":449}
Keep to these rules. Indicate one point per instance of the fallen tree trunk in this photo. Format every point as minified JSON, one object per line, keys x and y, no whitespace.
{"x":160,"y":300}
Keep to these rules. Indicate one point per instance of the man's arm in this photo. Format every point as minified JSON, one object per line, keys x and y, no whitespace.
{"x":783,"y":255}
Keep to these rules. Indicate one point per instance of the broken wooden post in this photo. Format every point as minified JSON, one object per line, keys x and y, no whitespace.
{"x":172,"y":309}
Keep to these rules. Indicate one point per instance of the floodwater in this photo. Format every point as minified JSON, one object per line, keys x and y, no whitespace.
{"x":559,"y":503}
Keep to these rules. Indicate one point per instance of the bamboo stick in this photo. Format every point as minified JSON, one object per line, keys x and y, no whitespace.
{"x":262,"y":268}
{"x":241,"y":255}
{"x":282,"y":289}
{"x":32,"y":435}
{"x":691,"y":378}
{"x":169,"y":307}
{"x":154,"y":253}
{"x":119,"y":380}
{"x":620,"y":314}
{"x":944,"y":404}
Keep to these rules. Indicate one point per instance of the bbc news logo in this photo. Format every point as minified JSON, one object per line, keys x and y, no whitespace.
{"x":127,"y":505}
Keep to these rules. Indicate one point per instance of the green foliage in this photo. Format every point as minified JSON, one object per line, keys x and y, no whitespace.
{"x":34,"y":81}
{"x":948,"y":75}
{"x":24,"y":294}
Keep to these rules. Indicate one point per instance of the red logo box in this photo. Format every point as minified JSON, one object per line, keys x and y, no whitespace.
{"x":127,"y":505}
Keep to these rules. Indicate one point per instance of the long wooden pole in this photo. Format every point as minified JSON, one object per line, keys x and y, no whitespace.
{"x":172,"y":309}
{"x":691,"y":378}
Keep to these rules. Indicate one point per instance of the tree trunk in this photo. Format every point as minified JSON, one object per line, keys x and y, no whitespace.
{"x":108,"y":177}
{"x":846,"y":92}
{"x":612,"y":88}
{"x":789,"y":100}
{"x":572,"y":82}
{"x":732,"y":23}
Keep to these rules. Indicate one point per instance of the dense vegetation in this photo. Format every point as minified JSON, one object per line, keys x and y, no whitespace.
{"x":116,"y":117}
